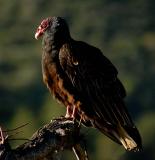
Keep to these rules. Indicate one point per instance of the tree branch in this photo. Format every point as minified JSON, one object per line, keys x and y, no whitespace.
{"x":47,"y":142}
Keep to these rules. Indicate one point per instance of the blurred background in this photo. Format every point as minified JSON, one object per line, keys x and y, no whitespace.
{"x":123,"y":29}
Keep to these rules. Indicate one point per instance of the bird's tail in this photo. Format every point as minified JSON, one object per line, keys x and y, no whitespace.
{"x":129,"y":137}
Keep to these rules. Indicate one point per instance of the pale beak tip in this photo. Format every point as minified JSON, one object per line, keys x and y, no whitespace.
{"x":36,"y":36}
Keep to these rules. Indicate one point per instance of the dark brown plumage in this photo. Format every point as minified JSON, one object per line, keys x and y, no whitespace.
{"x":86,"y":82}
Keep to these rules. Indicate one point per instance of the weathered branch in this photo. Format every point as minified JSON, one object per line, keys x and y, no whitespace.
{"x":47,"y":142}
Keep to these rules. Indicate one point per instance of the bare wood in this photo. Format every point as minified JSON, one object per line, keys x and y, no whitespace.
{"x":46,"y":143}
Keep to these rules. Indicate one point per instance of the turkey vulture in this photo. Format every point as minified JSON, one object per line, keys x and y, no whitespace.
{"x":85,"y":81}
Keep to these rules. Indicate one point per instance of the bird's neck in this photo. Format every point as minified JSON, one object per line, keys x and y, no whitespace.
{"x":52,"y":43}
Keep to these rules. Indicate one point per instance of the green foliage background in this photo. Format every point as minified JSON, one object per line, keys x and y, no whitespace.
{"x":123,"y":29}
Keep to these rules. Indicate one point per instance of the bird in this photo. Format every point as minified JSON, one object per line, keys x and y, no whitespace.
{"x":80,"y":77}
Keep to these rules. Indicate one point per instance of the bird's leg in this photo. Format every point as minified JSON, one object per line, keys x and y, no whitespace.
{"x":81,"y":117}
{"x":69,"y":112}
{"x":74,"y":111}
{"x":1,"y":136}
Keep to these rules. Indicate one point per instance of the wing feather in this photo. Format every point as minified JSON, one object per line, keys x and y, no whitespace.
{"x":95,"y":78}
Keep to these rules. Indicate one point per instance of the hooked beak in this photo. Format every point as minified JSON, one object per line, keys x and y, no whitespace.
{"x":39,"y":33}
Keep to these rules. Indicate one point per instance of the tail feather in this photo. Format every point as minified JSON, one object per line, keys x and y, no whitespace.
{"x":131,"y":142}
{"x":128,"y":143}
{"x":129,"y":137}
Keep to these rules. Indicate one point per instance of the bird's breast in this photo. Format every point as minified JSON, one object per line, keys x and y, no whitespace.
{"x":57,"y":84}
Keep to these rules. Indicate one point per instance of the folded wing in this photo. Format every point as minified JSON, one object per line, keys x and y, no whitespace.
{"x":95,"y":79}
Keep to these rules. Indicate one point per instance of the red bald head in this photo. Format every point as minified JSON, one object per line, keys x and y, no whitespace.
{"x":57,"y":26}
{"x":42,"y":27}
